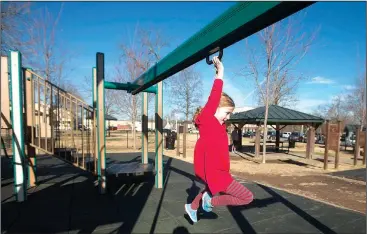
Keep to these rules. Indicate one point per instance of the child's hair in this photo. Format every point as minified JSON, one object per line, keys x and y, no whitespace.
{"x":225,"y":101}
{"x":196,"y":114}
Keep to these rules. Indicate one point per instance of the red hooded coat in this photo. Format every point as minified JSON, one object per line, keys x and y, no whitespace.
{"x":211,"y":155}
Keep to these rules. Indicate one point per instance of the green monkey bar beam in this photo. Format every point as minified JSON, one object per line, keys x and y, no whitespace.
{"x":127,"y":86}
{"x":237,"y":23}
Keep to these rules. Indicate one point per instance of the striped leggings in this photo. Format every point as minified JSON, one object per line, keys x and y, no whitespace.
{"x":235,"y":195}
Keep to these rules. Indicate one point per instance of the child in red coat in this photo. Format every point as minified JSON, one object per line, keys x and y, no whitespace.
{"x":211,"y":156}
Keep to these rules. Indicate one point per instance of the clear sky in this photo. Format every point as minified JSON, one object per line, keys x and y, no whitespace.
{"x":331,"y":65}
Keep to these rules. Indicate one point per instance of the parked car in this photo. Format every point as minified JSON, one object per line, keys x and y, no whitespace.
{"x":348,"y":141}
{"x":271,"y":135}
{"x":166,"y":130}
{"x":248,"y":134}
{"x":320,"y":139}
{"x":353,"y":140}
{"x":286,"y":134}
{"x":343,"y":137}
{"x":296,"y":136}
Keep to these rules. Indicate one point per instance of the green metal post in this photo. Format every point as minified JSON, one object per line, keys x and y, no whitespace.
{"x":16,"y":89}
{"x":97,"y":169}
{"x":144,"y":129}
{"x":159,"y":136}
{"x":101,"y":124}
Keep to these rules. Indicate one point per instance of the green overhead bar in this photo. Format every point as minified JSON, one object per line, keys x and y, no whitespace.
{"x":235,"y":24}
{"x":127,"y":86}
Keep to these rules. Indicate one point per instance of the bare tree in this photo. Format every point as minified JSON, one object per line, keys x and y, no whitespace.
{"x":13,"y":17}
{"x":87,"y":90}
{"x":186,"y":91}
{"x":49,"y":57}
{"x":337,"y":110}
{"x":349,"y":107}
{"x":321,"y":111}
{"x":135,"y":60}
{"x":282,"y":47}
{"x":356,"y":101}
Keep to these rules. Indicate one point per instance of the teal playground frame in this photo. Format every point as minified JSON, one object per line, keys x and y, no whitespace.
{"x":235,"y":24}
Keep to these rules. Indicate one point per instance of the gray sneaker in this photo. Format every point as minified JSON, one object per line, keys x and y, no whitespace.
{"x":206,"y":202}
{"x":192,"y":213}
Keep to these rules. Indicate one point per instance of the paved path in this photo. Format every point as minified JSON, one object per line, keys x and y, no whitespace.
{"x":67,"y":201}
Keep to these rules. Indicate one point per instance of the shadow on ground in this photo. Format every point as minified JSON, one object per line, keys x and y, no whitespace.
{"x":356,"y":174}
{"x":67,"y":201}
